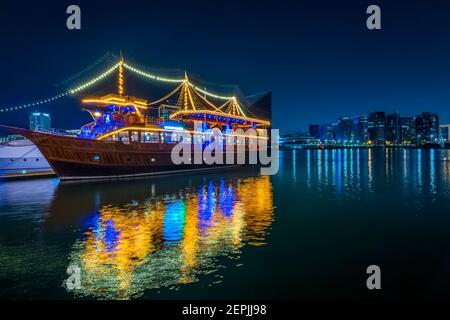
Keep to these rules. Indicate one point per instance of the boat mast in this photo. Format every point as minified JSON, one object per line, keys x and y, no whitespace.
{"x":120,"y":80}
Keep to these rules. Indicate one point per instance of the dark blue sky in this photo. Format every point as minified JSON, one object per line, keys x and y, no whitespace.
{"x":317,"y":57}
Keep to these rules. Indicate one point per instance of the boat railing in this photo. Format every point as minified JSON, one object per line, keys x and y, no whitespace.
{"x":59,"y":132}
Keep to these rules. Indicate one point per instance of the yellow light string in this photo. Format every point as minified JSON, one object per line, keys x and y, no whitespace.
{"x":186,"y":112}
{"x":190,"y":98}
{"x":212,"y":94}
{"x":70,"y":91}
{"x":158,"y":78}
{"x":120,"y":79}
{"x":144,"y":129}
{"x":166,"y":96}
{"x":149,"y":75}
{"x":203,"y":98}
{"x":240,"y":109}
{"x":185,"y":97}
{"x":35,"y":103}
{"x":224,"y":105}
{"x":94,"y":80}
{"x":121,"y":64}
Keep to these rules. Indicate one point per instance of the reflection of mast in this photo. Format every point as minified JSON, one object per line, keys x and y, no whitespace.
{"x":190,"y":245}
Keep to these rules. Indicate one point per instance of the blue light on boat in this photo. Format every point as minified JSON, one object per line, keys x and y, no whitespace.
{"x":172,"y":127}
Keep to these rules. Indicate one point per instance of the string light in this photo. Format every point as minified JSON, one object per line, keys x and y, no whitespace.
{"x":71,"y":91}
{"x":151,"y":76}
{"x":212,"y":94}
{"x":215,"y":113}
{"x":35,"y":103}
{"x":95,"y":80}
{"x":158,"y":78}
{"x":121,"y":64}
{"x":120,"y":78}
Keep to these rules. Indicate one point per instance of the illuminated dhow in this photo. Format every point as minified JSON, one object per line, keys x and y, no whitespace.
{"x":130,"y":136}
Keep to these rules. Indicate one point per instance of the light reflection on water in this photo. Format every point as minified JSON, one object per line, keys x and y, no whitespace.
{"x":171,"y":240}
{"x":357,"y":172}
{"x":173,"y":237}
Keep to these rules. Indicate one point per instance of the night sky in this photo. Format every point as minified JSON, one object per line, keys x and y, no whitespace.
{"x":317,"y":57}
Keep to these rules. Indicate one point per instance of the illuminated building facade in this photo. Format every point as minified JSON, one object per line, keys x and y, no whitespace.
{"x":314,"y":130}
{"x":345,"y":130}
{"x":408,"y":130}
{"x":377,"y":128}
{"x":326,"y":133}
{"x":393,"y":129}
{"x":361,"y":133}
{"x":445,"y":130}
{"x":427,"y":128}
{"x":40,"y":121}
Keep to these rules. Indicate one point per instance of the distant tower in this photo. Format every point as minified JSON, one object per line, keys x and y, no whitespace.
{"x":40,"y":121}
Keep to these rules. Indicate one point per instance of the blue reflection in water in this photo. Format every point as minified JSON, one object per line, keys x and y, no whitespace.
{"x":111,"y":236}
{"x":174,"y":220}
{"x":95,"y":223}
{"x":319,"y":165}
{"x":226,"y":199}
{"x":103,"y":231}
{"x":419,"y":169}
{"x":207,"y":202}
{"x":308,"y":167}
{"x":339,"y":171}
{"x":432,"y":172}
{"x":294,"y":165}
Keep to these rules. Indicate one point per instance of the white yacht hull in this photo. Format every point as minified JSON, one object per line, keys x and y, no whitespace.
{"x":22,"y":158}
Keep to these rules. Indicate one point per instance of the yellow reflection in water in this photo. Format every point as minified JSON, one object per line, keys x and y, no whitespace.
{"x":171,"y":240}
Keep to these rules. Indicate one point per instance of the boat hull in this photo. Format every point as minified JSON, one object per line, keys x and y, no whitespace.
{"x":74,"y":158}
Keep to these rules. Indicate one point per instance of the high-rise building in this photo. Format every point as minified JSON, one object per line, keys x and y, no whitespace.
{"x":314,"y":131}
{"x":361,"y":134}
{"x":345,"y":129}
{"x":393,"y":128}
{"x":40,"y":121}
{"x":408,"y":130}
{"x":427,"y":128}
{"x":326,"y":133}
{"x":377,"y":128}
{"x":334,"y":131}
{"x":445,"y":130}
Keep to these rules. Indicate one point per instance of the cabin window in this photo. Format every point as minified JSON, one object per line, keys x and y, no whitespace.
{"x":152,"y":159}
{"x":96,"y":157}
{"x":151,"y":137}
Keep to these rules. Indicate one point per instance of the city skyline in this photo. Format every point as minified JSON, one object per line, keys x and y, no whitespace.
{"x":317,"y":63}
{"x":379,"y":128}
{"x":356,"y":115}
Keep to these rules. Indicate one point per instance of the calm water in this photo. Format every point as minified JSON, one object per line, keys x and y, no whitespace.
{"x":308,"y":232}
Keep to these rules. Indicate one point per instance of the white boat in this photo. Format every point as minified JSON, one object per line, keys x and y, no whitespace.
{"x":21,"y":158}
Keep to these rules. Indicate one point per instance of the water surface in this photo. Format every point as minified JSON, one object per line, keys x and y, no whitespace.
{"x":308,"y":232}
